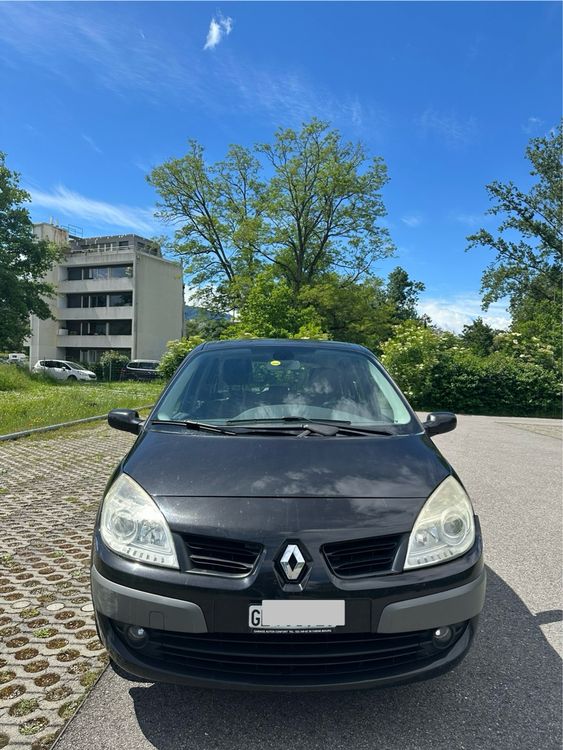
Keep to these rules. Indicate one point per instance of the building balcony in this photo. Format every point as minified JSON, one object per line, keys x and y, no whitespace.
{"x":123,"y":312}
{"x":95,"y":342}
{"x":97,"y":286}
{"x":114,"y":256}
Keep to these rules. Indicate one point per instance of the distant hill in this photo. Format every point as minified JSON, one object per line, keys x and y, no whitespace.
{"x":191,"y":312}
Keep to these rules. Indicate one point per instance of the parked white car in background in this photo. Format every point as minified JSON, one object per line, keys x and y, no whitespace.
{"x":18,"y":358}
{"x":63,"y":370}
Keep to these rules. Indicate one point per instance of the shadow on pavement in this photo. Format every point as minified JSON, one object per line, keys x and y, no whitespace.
{"x":506,"y":694}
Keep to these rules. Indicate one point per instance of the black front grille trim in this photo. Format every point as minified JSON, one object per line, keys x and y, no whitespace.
{"x":361,"y":558}
{"x":221,"y":557}
{"x":292,"y":658}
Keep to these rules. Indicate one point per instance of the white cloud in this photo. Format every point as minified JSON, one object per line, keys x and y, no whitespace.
{"x":78,"y":207}
{"x":128,"y":65}
{"x":91,"y":143}
{"x":532,"y":125}
{"x":454,"y":130}
{"x":452,"y":313}
{"x":470,"y":220}
{"x":412,"y":220}
{"x":218,"y":27}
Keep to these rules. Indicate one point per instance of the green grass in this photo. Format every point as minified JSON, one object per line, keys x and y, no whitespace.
{"x":29,"y":401}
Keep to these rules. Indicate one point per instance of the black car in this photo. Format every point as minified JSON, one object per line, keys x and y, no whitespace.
{"x":140,"y":369}
{"x":284,"y":521}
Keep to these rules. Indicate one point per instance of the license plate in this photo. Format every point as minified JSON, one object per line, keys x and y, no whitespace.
{"x":283,"y":614}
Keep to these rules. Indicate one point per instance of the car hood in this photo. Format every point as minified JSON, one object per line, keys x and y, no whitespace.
{"x":188,"y":464}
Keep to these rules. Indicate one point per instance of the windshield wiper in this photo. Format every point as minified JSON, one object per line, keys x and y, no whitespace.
{"x":301,"y":420}
{"x":202,"y":426}
{"x":297,"y":426}
{"x":326,"y":427}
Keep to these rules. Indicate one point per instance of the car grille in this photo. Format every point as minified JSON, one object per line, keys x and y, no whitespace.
{"x":291,"y":659}
{"x":217,"y":556}
{"x":362,"y":557}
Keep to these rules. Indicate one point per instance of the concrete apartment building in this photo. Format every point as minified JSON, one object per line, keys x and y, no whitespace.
{"x":113,"y":293}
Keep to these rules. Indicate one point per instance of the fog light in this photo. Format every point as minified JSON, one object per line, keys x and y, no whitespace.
{"x":137,"y":636}
{"x":442,"y":636}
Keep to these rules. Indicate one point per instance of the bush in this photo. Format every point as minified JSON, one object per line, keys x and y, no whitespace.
{"x":435,"y":372}
{"x":176,"y":352}
{"x":496,"y":384}
{"x":110,"y":365}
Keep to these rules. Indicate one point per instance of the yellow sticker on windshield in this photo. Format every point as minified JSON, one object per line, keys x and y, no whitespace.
{"x":275,"y":363}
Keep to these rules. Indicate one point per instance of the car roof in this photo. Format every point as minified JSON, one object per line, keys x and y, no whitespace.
{"x":301,"y":343}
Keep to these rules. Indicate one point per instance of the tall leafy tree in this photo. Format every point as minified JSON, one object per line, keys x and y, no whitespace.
{"x":322,"y":205}
{"x":479,"y":337}
{"x":529,"y":240}
{"x":215,"y":209}
{"x":305,"y":204}
{"x":24,"y":261}
{"x":402,"y":294}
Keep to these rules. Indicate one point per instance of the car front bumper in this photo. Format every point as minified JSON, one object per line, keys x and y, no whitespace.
{"x":201,"y":637}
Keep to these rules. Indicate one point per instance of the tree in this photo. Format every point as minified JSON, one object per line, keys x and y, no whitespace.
{"x":350,"y":311}
{"x":402,"y":293}
{"x":215,"y":209}
{"x":176,"y":352}
{"x":479,"y":337}
{"x":529,"y":240}
{"x":306,"y":204}
{"x":322,"y":205}
{"x":24,"y":261}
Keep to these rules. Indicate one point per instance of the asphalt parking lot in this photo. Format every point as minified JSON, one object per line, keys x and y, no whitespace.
{"x":507,"y":693}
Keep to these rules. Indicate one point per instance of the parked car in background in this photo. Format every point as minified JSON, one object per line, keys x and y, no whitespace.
{"x":18,"y":358}
{"x":60,"y":369}
{"x":140,"y":369}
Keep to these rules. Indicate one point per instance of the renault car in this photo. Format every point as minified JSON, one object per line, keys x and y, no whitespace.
{"x":285,"y":521}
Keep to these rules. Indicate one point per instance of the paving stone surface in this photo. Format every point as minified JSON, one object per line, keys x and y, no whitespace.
{"x":50,"y":488}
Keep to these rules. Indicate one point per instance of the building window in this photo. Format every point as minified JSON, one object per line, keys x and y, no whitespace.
{"x":97,"y":300}
{"x":74,"y":300}
{"x":119,"y":327}
{"x":98,"y":272}
{"x":120,"y":299}
{"x":73,"y":327}
{"x":97,"y":328}
{"x":121,"y":272}
{"x":124,"y":243}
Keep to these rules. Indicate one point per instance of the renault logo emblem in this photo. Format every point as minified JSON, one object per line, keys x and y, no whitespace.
{"x":292,"y":562}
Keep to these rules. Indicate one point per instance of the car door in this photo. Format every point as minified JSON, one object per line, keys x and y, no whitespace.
{"x":58,"y":370}
{"x":49,"y":368}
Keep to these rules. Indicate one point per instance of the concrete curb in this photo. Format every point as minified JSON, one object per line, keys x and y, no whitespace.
{"x":49,"y":428}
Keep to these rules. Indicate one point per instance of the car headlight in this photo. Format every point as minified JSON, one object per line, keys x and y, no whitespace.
{"x":445,"y":527}
{"x":133,"y":526}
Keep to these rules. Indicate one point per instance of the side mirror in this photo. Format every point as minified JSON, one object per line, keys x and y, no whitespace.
{"x":127,"y":420}
{"x":439,"y":421}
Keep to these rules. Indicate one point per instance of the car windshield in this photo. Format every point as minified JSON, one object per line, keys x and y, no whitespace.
{"x":260,"y":383}
{"x":74,"y":365}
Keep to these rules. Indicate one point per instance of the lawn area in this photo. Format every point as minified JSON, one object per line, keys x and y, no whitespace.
{"x":34,"y":402}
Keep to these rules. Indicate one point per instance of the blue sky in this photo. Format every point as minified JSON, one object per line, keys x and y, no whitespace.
{"x":94,"y":94}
